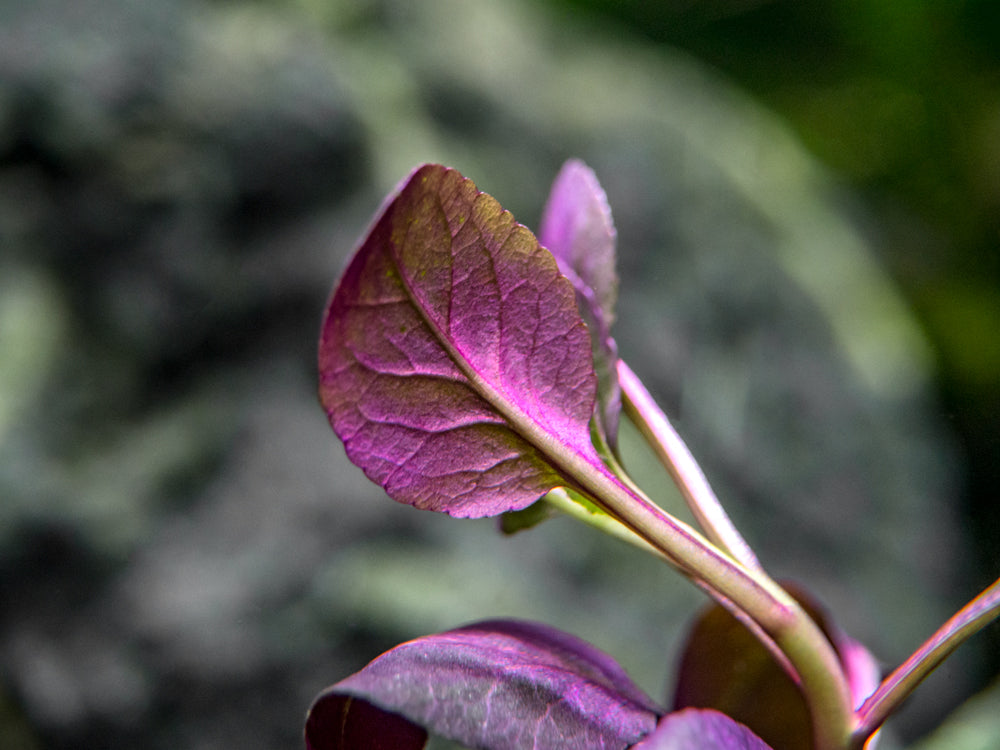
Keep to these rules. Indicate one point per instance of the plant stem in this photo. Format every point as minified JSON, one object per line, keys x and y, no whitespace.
{"x":897,"y":686}
{"x":748,"y":588}
{"x":575,"y":507}
{"x":678,"y":461}
{"x":561,"y":499}
{"x":776,"y":613}
{"x":751,"y":590}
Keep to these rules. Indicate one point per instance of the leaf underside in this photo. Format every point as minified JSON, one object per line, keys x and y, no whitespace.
{"x":453,"y":362}
{"x":725,"y":667}
{"x":346,"y":723}
{"x":501,"y":685}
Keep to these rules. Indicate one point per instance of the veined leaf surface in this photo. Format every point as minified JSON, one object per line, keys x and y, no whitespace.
{"x":453,"y":362}
{"x":499,"y":685}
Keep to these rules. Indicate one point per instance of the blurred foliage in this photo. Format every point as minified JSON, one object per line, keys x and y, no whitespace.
{"x":901,"y":97}
{"x":974,"y":726}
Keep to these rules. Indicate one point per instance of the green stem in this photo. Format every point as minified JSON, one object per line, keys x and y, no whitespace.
{"x":749,"y":589}
{"x":675,"y":456}
{"x":767,"y":604}
{"x":736,"y":574}
{"x":577,"y":507}
{"x":562,"y":499}
{"x":897,"y":686}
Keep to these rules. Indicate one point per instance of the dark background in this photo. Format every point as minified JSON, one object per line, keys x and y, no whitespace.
{"x":806,"y":196}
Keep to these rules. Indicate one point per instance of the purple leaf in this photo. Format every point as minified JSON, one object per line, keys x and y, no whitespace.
{"x":499,"y":685}
{"x":453,"y":362}
{"x":346,"y":723}
{"x":862,"y":671}
{"x":577,"y":228}
{"x":723,"y":666}
{"x":693,"y":729}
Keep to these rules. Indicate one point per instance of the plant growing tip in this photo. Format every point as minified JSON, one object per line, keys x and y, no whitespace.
{"x":577,"y":228}
{"x":469,"y":368}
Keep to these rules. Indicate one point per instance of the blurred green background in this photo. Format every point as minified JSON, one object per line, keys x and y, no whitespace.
{"x":807,"y":201}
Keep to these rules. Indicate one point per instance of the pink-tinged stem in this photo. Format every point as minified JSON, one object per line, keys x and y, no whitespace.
{"x":897,"y":686}
{"x":675,"y":456}
{"x":773,"y":615}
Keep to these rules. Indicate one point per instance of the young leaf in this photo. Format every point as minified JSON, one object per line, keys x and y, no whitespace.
{"x":726,"y":668}
{"x":514,"y":521}
{"x":498,"y":685}
{"x":577,"y":227}
{"x":692,"y":729}
{"x":453,"y":362}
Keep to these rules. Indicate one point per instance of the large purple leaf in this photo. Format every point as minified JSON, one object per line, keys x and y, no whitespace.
{"x":499,"y":685}
{"x":694,"y":729}
{"x":453,"y":362}
{"x":578,"y":229}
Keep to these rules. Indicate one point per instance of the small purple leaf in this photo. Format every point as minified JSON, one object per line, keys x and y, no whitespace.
{"x":694,"y":729}
{"x":863,"y":673}
{"x":577,"y":227}
{"x":453,"y":362}
{"x":499,"y":685}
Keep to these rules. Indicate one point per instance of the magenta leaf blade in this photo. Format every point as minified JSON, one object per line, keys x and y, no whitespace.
{"x":694,"y":729}
{"x":453,"y":362}
{"x":500,"y":685}
{"x":578,"y":229}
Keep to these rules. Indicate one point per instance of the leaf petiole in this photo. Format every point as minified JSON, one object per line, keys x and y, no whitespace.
{"x":897,"y":686}
{"x":777,"y":613}
{"x":675,"y":456}
{"x":578,"y":507}
{"x":793,"y":633}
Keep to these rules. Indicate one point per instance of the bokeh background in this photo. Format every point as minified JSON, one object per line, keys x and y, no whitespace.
{"x":806,"y":196}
